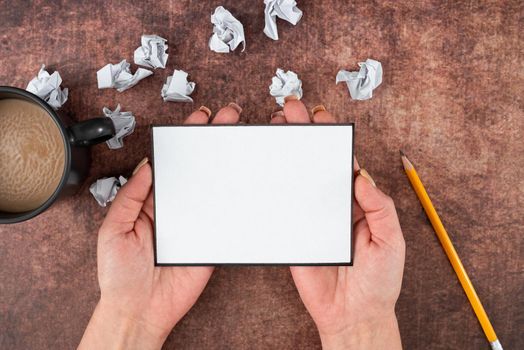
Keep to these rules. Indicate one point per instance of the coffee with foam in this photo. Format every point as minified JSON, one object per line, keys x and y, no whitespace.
{"x":32,"y":155}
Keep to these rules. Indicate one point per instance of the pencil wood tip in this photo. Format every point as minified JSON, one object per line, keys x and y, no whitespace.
{"x":405,"y":161}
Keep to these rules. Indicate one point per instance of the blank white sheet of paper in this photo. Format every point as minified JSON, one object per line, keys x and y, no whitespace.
{"x":241,"y":194}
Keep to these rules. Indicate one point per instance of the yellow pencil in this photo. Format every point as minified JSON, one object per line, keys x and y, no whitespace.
{"x":451,"y":253}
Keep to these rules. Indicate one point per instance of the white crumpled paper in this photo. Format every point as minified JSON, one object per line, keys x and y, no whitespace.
{"x":119,"y":76}
{"x":47,"y":87}
{"x":104,"y":190}
{"x":362,"y":83}
{"x":284,"y":9}
{"x":177,"y":88}
{"x":285,"y":84}
{"x":124,"y":125}
{"x":152,"y":53}
{"x":228,"y":32}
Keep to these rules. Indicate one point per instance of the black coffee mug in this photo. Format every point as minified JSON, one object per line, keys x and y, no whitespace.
{"x":76,"y":140}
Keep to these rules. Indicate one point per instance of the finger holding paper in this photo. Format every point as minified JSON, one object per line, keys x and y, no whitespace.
{"x":230,"y":114}
{"x":321,"y":115}
{"x":278,"y":117}
{"x":295,"y":111}
{"x":200,"y":116}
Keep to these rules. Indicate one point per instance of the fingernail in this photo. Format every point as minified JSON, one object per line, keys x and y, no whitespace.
{"x":355,"y":160}
{"x":206,"y":110}
{"x":366,"y":175}
{"x":319,"y":108}
{"x":235,"y":107}
{"x":141,"y":164}
{"x":277,"y":114}
{"x":291,"y":98}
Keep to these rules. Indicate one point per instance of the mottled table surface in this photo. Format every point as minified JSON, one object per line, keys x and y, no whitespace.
{"x":451,"y":98}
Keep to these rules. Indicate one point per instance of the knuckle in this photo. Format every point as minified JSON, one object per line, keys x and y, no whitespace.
{"x":389,"y":203}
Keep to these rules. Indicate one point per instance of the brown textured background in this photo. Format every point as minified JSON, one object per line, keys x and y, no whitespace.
{"x":451,"y":98}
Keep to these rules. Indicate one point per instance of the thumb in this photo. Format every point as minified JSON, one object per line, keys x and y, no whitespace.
{"x":379,"y":210}
{"x":128,"y":202}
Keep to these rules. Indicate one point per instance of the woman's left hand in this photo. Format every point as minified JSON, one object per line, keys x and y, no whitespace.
{"x":140,"y":303}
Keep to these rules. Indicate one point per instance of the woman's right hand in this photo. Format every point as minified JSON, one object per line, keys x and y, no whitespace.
{"x":354,"y":307}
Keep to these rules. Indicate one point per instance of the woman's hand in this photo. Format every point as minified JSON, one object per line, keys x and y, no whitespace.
{"x":140,"y":303}
{"x":354,"y":307}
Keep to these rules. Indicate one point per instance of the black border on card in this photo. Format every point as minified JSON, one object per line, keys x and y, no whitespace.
{"x":352,"y":251}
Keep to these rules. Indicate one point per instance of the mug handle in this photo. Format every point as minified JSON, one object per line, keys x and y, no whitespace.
{"x":92,"y":131}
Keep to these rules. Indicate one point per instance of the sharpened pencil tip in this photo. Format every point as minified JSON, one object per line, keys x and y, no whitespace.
{"x":405,"y":161}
